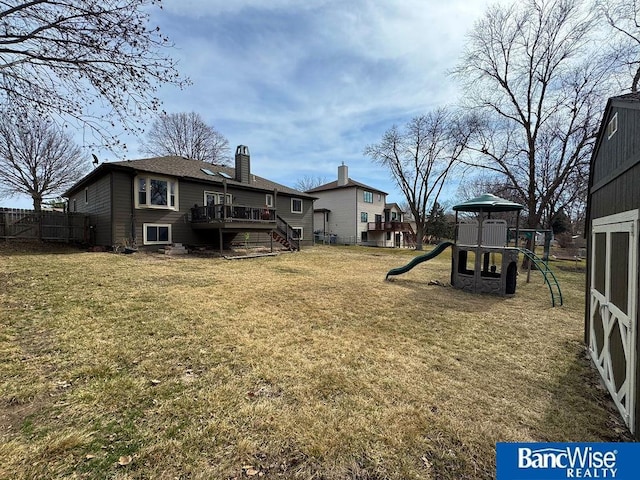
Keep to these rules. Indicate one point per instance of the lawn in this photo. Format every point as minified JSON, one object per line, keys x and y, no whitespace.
{"x":304,"y":365}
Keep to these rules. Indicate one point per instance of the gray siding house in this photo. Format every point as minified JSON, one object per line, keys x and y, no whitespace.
{"x":164,"y":200}
{"x":613,"y":219}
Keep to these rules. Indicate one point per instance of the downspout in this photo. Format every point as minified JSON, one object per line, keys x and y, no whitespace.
{"x":134,"y":236}
{"x":275,"y":201}
{"x":224,"y":199}
{"x":355,"y":240}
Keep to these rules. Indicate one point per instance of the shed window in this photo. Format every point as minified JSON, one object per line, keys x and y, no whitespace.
{"x":612,"y":126}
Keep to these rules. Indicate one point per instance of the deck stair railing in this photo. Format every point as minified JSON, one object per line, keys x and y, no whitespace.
{"x":284,"y":234}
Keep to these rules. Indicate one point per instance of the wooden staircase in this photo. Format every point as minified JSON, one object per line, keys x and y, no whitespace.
{"x":285,"y":235}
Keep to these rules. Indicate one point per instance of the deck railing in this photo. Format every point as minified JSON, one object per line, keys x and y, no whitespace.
{"x":231,"y":213}
{"x":392,"y":226}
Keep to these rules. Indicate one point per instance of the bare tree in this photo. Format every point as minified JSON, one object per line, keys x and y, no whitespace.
{"x":88,"y":62}
{"x":482,"y":183}
{"x":309,"y":182}
{"x":187,"y":135}
{"x":536,"y":90}
{"x":419,"y":158}
{"x":38,"y":159}
{"x":623,"y":16}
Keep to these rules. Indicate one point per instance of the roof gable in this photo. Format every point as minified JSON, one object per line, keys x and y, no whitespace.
{"x":350,"y":184}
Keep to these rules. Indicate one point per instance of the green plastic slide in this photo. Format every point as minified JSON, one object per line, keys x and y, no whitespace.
{"x":441,"y":247}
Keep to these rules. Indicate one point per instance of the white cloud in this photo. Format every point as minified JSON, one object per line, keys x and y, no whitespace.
{"x":307,"y":85}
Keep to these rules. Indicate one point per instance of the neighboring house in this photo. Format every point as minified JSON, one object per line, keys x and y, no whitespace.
{"x":350,"y":212}
{"x":164,"y":200}
{"x":613,"y":213}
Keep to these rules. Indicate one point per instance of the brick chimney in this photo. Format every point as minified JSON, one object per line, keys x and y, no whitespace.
{"x":243,"y":164}
{"x":343,"y":175}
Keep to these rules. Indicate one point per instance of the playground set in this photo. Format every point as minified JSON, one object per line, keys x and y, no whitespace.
{"x":482,"y":260}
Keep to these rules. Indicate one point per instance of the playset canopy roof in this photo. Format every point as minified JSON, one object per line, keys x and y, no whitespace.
{"x":488,"y":203}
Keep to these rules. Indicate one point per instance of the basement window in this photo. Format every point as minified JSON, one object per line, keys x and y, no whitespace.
{"x":156,"y":233}
{"x":297,"y":233}
{"x":612,"y":126}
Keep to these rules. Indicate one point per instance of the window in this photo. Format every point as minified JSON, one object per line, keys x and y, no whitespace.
{"x":296,"y":205}
{"x":612,"y":126}
{"x":367,"y":197}
{"x":156,"y":193}
{"x":172,"y":194}
{"x":364,"y":217}
{"x":156,"y":234}
{"x":159,"y":192}
{"x":268,"y":200}
{"x":364,"y":237}
{"x":297,"y":233}
{"x":217,"y":198}
{"x":388,"y":236}
{"x":75,"y":206}
{"x":86,"y":195}
{"x":142,"y":191}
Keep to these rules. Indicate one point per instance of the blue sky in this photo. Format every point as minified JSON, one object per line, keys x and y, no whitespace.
{"x":306,"y":85}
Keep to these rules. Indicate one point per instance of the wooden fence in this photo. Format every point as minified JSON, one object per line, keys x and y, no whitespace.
{"x":46,"y":225}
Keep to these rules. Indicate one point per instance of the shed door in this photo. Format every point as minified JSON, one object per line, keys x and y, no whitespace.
{"x":613,"y":316}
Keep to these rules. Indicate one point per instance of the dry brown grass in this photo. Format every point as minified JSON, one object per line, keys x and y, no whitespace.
{"x":306,"y":365}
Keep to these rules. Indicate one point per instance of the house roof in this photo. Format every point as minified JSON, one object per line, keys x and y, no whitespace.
{"x":185,"y":168}
{"x":393,"y":205}
{"x":350,"y":184}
